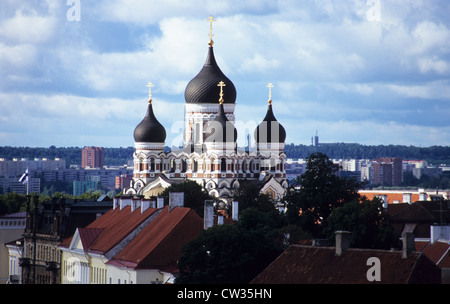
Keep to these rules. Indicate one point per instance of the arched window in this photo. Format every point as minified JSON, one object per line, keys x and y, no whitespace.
{"x":172,"y":165}
{"x":183,"y":165}
{"x":194,"y":165}
{"x":152,"y":164}
{"x":223,"y":165}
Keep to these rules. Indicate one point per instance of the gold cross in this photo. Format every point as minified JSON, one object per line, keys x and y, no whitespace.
{"x":210,"y":20}
{"x":270,"y":86}
{"x":149,"y":85}
{"x":221,"y":85}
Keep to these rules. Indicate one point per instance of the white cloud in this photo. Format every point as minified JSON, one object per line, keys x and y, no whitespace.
{"x":30,"y":28}
{"x":431,"y":90}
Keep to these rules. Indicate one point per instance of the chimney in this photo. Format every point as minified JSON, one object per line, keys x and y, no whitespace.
{"x":160,"y":202}
{"x":176,"y":199}
{"x":422,"y":196}
{"x":439,"y":232}
{"x":235,"y":210}
{"x":220,"y":219}
{"x":115,"y":202}
{"x":145,"y":204}
{"x":408,"y":244}
{"x":407,"y":198}
{"x":342,"y":241}
{"x":135,"y":203}
{"x":124,"y":201}
{"x":208,"y":214}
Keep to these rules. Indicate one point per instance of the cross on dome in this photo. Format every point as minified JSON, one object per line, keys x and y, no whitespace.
{"x":221,"y":85}
{"x":211,"y":20}
{"x":150,"y":86}
{"x":270,"y":86}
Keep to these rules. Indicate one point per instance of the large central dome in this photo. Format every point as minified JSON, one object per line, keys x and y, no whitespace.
{"x":203,"y":87}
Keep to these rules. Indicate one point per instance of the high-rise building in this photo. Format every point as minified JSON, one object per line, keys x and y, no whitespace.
{"x":388,"y":171}
{"x":92,"y":157}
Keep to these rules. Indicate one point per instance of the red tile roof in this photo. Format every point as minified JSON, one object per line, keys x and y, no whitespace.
{"x":438,"y":252}
{"x":141,"y":240}
{"x":160,"y":242}
{"x":89,"y":235}
{"x":319,"y":265}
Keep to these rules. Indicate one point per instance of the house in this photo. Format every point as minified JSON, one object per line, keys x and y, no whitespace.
{"x":137,"y":242}
{"x":46,"y":225}
{"x":419,"y":216}
{"x":11,"y":228}
{"x":301,"y":264}
{"x":437,"y":249}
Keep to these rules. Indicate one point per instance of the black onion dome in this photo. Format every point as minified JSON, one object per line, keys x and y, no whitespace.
{"x":203,"y":87}
{"x":150,"y":129}
{"x":264,"y":132}
{"x":220,"y":129}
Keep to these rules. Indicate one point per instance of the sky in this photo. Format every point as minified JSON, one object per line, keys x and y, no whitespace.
{"x":73,"y":73}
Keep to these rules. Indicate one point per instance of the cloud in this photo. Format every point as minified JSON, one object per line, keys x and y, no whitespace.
{"x":432,"y":90}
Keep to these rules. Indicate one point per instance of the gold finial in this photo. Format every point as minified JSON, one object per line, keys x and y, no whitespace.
{"x":210,"y":20}
{"x":270,"y":86}
{"x":150,"y":86}
{"x":221,"y":85}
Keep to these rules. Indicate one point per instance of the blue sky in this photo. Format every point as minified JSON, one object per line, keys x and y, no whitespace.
{"x":74,"y":73}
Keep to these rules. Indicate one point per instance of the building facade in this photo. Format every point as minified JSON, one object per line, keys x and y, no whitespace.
{"x":210,"y":155}
{"x":92,"y":157}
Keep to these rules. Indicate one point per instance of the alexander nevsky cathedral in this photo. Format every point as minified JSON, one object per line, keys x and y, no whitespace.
{"x":210,"y":155}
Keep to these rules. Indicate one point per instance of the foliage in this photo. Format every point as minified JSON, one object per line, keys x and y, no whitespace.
{"x":321,"y":191}
{"x":12,"y":203}
{"x":249,"y":196}
{"x":366,"y":220}
{"x":194,"y":195}
{"x":434,"y":155}
{"x":232,"y":254}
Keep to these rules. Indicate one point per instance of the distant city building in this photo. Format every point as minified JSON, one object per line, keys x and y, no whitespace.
{"x":123,"y":181}
{"x":80,"y":187}
{"x":9,"y":184}
{"x":17,"y":166}
{"x":92,"y":157}
{"x":388,"y":172}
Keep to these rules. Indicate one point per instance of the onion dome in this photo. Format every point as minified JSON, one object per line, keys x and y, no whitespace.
{"x":150,"y":129}
{"x":270,"y":130}
{"x":220,"y":129}
{"x":203,"y":87}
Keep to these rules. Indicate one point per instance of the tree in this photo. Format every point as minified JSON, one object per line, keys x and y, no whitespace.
{"x":194,"y":195}
{"x":366,"y":220}
{"x":321,"y":191}
{"x":249,"y":196}
{"x":12,"y":203}
{"x":232,"y":254}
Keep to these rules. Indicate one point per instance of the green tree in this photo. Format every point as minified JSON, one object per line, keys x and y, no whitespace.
{"x":12,"y":203}
{"x":366,"y":220}
{"x":194,"y":195}
{"x":249,"y":196}
{"x":232,"y":254}
{"x":321,"y":191}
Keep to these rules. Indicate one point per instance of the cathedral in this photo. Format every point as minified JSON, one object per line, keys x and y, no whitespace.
{"x":209,"y":155}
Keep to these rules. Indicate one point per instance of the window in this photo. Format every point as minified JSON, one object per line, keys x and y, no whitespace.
{"x":223,"y":165}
